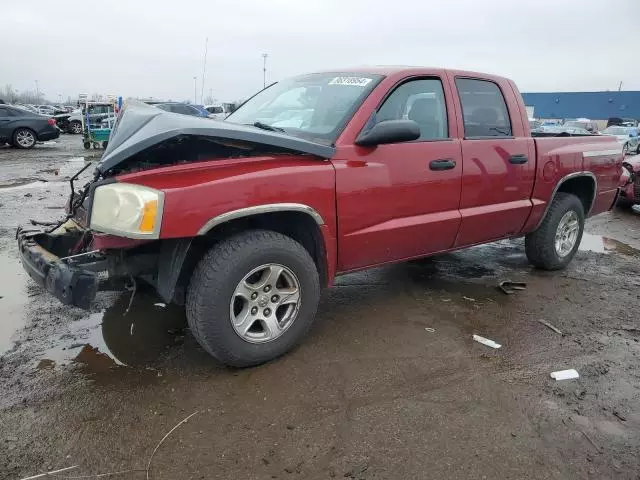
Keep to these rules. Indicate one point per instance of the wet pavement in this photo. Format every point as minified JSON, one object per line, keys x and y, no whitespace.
{"x":388,"y":385}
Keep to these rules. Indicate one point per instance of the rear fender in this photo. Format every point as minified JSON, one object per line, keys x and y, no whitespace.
{"x":588,"y":200}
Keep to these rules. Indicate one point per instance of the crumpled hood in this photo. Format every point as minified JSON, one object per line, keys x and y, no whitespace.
{"x":141,"y":126}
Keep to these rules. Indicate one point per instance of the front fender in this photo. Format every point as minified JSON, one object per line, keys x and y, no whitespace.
{"x":198,"y":193}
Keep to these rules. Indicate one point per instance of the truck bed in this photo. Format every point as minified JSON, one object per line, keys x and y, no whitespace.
{"x":573,"y":155}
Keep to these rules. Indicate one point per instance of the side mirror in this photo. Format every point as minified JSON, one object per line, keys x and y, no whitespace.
{"x":389,"y":131}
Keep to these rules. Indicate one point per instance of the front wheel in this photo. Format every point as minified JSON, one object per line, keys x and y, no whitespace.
{"x":555,"y":242}
{"x":252,"y":297}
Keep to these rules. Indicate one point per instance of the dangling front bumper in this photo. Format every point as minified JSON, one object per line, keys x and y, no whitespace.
{"x":72,"y":279}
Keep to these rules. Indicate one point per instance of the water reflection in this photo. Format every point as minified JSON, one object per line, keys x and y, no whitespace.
{"x":114,"y":339}
{"x":600,"y":244}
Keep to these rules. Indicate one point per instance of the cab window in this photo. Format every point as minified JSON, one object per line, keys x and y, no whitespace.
{"x":483,"y":108}
{"x":421,"y":101}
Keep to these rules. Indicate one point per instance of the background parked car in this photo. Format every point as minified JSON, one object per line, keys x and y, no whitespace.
{"x":628,"y":136}
{"x":23,"y":129}
{"x":534,"y":124}
{"x":184,"y":109}
{"x":584,"y":123}
{"x":29,"y":108}
{"x":108,"y":122}
{"x":62,"y":120}
{"x":95,"y":119}
{"x":46,"y":110}
{"x":218,"y":112}
{"x":622,"y":122}
{"x":562,"y":129}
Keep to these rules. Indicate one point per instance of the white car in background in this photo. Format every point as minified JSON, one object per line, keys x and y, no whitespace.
{"x":218,"y":112}
{"x":627,"y":136}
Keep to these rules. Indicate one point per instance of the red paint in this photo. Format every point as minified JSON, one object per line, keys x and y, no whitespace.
{"x":383,"y":204}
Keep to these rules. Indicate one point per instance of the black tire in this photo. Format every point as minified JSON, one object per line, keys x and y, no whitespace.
{"x":624,"y":203}
{"x":20,"y":132}
{"x":86,"y":145}
{"x":540,"y":245}
{"x":213,"y":283}
{"x":75,"y":127}
{"x":105,"y":144}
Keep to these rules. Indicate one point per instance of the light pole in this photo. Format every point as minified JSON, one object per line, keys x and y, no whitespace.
{"x":264,"y":70}
{"x":204,"y":70}
{"x":37,"y":93}
{"x":195,"y":90}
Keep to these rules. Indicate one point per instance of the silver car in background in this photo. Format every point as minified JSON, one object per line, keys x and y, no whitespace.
{"x":627,"y":136}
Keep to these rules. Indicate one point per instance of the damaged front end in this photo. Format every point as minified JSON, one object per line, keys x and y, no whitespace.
{"x":630,"y":191}
{"x":111,"y":236}
{"x":73,"y":279}
{"x":72,"y":263}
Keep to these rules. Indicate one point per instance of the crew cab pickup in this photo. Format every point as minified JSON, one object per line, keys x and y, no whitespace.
{"x":245,"y":220}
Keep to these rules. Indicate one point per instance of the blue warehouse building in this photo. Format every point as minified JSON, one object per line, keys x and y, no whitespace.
{"x":593,"y":105}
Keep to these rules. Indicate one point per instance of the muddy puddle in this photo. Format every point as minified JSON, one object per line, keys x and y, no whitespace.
{"x":15,"y":176}
{"x":116,"y":338}
{"x":13,"y":299}
{"x":601,"y":244}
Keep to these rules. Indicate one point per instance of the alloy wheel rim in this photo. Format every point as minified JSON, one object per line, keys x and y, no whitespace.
{"x":567,"y":233}
{"x":265,"y":303}
{"x":25,"y":138}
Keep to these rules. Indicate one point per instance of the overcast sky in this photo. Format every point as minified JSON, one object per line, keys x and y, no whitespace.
{"x":154,"y":48}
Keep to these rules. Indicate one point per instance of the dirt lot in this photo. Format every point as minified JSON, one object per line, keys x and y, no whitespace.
{"x":388,"y":385}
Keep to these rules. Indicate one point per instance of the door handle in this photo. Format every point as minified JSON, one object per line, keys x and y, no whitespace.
{"x":443,"y":164}
{"x":518,"y":159}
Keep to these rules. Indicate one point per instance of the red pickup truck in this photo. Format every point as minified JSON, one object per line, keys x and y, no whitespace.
{"x":245,"y":220}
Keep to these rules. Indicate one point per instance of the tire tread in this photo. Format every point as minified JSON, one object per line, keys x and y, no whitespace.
{"x":540,"y":246}
{"x":216,"y":266}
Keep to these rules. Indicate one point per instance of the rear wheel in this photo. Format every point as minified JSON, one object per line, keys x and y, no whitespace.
{"x":555,"y":242}
{"x":24,"y":138}
{"x":252,"y":297}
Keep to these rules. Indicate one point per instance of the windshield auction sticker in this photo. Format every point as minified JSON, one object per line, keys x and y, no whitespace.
{"x":351,"y":81}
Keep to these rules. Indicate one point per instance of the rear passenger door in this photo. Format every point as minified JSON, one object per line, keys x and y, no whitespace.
{"x":498,"y":161}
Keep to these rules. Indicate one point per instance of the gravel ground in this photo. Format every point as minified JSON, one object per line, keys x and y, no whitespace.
{"x":388,"y":385}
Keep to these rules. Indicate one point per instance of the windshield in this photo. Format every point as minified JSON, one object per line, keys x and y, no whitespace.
{"x":315,"y":106}
{"x":616,"y":131}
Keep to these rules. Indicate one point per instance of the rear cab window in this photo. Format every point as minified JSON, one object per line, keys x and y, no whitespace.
{"x":484,"y":109}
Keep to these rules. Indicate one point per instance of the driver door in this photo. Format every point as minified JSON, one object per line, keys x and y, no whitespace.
{"x":401,"y":200}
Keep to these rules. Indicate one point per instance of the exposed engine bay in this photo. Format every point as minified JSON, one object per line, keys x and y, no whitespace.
{"x":191,"y":148}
